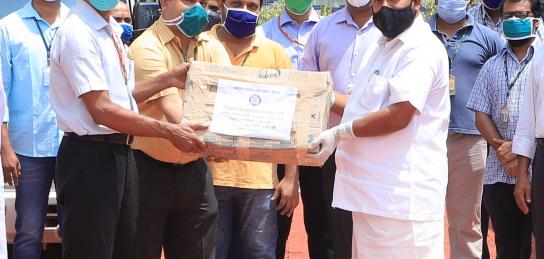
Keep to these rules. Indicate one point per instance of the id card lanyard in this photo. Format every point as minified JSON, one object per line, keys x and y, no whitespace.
{"x":452,"y":80}
{"x":46,"y":71}
{"x":505,"y":112}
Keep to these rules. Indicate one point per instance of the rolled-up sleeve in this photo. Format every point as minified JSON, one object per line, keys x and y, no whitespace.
{"x":524,"y":142}
{"x":81,"y":63}
{"x":5,"y":63}
{"x":480,"y":99}
{"x":310,"y":56}
{"x":413,"y":81}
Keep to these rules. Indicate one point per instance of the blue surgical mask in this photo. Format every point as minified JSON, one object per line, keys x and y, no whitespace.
{"x":452,"y":11}
{"x":103,"y":5}
{"x":191,"y":22}
{"x":518,"y":29}
{"x":241,"y":23}
{"x":127,"y":32}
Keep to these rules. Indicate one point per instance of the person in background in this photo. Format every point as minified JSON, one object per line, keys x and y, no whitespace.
{"x":339,"y":43}
{"x":248,"y":193}
{"x":469,"y":45}
{"x":391,"y":151}
{"x":291,"y":29}
{"x":92,"y":95}
{"x":212,"y":8}
{"x":30,"y":133}
{"x":3,"y":242}
{"x":528,"y":145}
{"x":487,"y":13}
{"x":497,"y":99}
{"x":178,"y":208}
{"x":121,"y":14}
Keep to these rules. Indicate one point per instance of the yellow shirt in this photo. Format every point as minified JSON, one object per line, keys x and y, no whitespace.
{"x":155,"y":52}
{"x":263,"y":53}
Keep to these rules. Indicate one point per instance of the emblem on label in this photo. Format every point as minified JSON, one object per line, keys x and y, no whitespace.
{"x":255,"y":100}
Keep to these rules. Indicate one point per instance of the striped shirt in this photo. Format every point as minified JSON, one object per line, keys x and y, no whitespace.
{"x":482,"y":17}
{"x":490,"y":95}
{"x":155,"y":52}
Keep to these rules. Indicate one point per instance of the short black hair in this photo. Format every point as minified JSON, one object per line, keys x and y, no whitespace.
{"x":536,"y":9}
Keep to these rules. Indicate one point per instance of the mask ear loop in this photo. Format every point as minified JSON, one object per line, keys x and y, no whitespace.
{"x":174,"y":21}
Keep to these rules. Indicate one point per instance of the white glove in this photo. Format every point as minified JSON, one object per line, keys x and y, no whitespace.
{"x":329,"y":139}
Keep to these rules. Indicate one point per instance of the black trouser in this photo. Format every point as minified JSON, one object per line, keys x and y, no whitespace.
{"x":178,"y":210}
{"x":329,"y":230}
{"x":485,"y":229}
{"x":97,"y":184}
{"x":537,"y":201}
{"x":512,"y":227}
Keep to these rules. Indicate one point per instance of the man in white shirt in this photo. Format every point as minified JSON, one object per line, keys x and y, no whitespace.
{"x":91,"y":92}
{"x":528,"y":144}
{"x":391,"y":157}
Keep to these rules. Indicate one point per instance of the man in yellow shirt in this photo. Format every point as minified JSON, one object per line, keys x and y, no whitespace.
{"x":248,"y":193}
{"x":178,"y":209}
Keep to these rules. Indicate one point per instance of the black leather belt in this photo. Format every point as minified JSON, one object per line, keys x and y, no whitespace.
{"x":122,"y":139}
{"x":540,"y":141}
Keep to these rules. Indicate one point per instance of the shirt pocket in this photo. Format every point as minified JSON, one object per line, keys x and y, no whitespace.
{"x":374,"y":95}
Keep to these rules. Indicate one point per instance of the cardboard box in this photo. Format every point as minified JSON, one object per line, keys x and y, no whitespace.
{"x":311,"y":111}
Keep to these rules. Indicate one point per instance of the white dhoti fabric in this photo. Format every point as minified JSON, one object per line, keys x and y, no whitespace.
{"x":376,"y":237}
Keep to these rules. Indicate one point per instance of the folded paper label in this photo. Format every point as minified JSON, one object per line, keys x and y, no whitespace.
{"x":254,"y":110}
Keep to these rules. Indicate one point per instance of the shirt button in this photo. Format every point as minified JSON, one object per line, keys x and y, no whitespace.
{"x":356,"y":53}
{"x":352,"y":74}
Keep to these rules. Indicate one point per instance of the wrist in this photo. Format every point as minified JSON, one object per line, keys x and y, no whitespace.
{"x":345,"y":131}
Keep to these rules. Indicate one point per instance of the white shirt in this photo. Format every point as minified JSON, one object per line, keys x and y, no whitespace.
{"x":84,"y":59}
{"x":402,"y":175}
{"x":531,"y":119}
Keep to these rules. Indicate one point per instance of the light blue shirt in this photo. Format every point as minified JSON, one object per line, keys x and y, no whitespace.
{"x":338,"y":45}
{"x":299,"y":33}
{"x":32,"y":123}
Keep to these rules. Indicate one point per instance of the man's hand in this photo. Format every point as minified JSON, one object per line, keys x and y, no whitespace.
{"x":287,"y":194}
{"x":184,"y":138}
{"x":504,"y":152}
{"x":329,"y":139}
{"x":178,"y":76}
{"x":522,"y":192}
{"x":215,"y":159}
{"x":11,"y":167}
{"x":512,"y":168}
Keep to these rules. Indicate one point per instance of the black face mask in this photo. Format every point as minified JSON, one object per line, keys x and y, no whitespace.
{"x":517,"y":43}
{"x":392,"y":22}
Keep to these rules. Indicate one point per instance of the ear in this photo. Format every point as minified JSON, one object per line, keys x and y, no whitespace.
{"x":536,"y":24}
{"x":417,"y":5}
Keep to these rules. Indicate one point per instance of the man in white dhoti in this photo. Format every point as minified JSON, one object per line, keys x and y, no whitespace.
{"x":391,"y":157}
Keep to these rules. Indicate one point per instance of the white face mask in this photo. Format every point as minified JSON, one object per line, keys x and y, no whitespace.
{"x":452,"y":11}
{"x":50,"y":1}
{"x":358,"y":3}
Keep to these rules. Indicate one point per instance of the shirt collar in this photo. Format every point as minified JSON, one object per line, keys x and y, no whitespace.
{"x":530,"y":52}
{"x":285,"y":18}
{"x":257,"y":40}
{"x":413,"y":34}
{"x":434,"y":18}
{"x":28,"y":11}
{"x":345,"y":16}
{"x":486,"y":17}
{"x":166,"y":35}
{"x":90,"y":16}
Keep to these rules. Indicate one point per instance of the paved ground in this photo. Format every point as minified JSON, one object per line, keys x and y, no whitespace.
{"x":297,"y":248}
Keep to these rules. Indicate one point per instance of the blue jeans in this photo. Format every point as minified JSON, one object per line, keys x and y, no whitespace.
{"x":250,"y":213}
{"x":31,"y":205}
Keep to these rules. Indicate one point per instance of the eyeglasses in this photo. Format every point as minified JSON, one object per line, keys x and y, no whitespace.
{"x":518,"y":14}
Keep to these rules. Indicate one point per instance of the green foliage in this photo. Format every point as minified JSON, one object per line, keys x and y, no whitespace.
{"x":430,"y":8}
{"x":274,"y":10}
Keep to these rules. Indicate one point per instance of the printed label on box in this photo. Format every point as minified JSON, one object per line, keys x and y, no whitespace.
{"x":253,"y":110}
